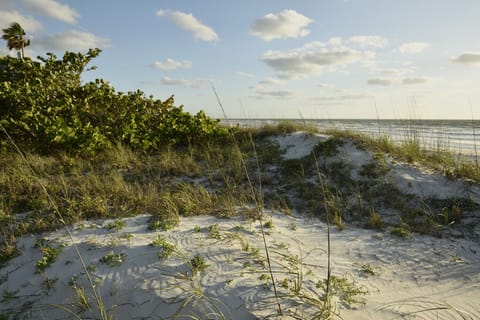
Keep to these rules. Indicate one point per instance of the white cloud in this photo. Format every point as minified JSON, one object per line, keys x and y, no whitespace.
{"x":311,"y":59}
{"x":72,"y":40}
{"x":393,"y":71}
{"x":261,"y":93}
{"x":336,"y":41}
{"x":170,"y":64}
{"x":188,"y":22}
{"x":368,"y":41}
{"x":244,"y":74}
{"x":192,"y":83}
{"x":286,"y":24}
{"x":343,"y":97}
{"x":469,"y":58}
{"x":29,"y":24}
{"x":271,"y":81}
{"x":52,"y":9}
{"x":380,"y":82}
{"x":413,"y":47}
{"x":408,"y":81}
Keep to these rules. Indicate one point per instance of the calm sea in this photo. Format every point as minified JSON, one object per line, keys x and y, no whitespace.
{"x":458,"y":136}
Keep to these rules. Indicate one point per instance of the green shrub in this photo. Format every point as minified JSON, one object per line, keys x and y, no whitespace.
{"x":44,"y":105}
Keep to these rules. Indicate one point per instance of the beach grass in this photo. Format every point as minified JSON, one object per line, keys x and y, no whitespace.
{"x":222,"y":180}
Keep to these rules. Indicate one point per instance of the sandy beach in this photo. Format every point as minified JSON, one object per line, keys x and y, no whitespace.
{"x":213,"y":268}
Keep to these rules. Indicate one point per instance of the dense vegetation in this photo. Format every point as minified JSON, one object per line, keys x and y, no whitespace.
{"x":45,"y":106}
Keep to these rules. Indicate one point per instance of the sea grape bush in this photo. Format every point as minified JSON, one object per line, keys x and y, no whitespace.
{"x":44,"y":106}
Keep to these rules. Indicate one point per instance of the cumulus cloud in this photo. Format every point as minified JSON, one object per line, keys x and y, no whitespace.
{"x":170,"y":64}
{"x":413,"y":47}
{"x":380,"y":82}
{"x":368,"y":41}
{"x":408,"y":81}
{"x":72,"y":40}
{"x":286,"y":24}
{"x":310,"y":59}
{"x":192,"y":83}
{"x":29,"y":24}
{"x":188,"y":22}
{"x":52,"y":9}
{"x":468,"y":58}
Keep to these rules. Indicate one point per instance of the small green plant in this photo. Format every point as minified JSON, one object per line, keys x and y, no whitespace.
{"x":268,"y":224}
{"x":113,"y":259}
{"x":284,"y":283}
{"x":374,"y":169}
{"x":367,"y":269}
{"x":197,"y":229}
{"x":163,"y":224}
{"x":282,"y":245}
{"x":346,"y":291}
{"x":329,"y":148}
{"x":238,"y":228}
{"x":254,"y":252}
{"x":403,"y":230}
{"x":128,"y":236}
{"x":49,"y":283}
{"x":91,"y":268}
{"x":116,"y":225}
{"x":197,"y":264}
{"x":375,"y":220}
{"x":9,"y":295}
{"x":8,"y":249}
{"x":49,"y":256}
{"x":214,"y":232}
{"x":82,"y":298}
{"x":167,"y":248}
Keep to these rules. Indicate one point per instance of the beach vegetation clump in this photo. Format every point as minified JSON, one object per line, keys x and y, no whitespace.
{"x":167,"y":248}
{"x":113,"y":259}
{"x":375,"y":220}
{"x":344,"y":290}
{"x":197,"y":264}
{"x":162,"y":224}
{"x":367,"y":269}
{"x":402,"y":230}
{"x":329,"y":147}
{"x":50,"y":250}
{"x":116,"y":225}
{"x":283,"y":127}
{"x":214,"y":232}
{"x":8,"y":248}
{"x":374,"y":169}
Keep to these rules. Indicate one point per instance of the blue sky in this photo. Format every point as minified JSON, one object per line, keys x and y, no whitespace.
{"x":274,"y":58}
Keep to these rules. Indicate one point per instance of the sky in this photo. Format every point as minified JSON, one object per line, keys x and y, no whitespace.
{"x":315,"y":59}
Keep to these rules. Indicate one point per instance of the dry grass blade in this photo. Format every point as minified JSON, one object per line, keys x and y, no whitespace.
{"x":408,"y":308}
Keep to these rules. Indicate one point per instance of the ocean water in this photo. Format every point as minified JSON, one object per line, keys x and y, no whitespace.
{"x":461,"y":137}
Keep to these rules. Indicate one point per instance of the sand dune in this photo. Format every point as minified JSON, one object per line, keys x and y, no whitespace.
{"x":421,"y":277}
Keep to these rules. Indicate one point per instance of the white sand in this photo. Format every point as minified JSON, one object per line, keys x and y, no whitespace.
{"x":411,"y":275}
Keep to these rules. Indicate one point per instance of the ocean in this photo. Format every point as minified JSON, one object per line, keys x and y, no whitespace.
{"x":462,"y":137}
